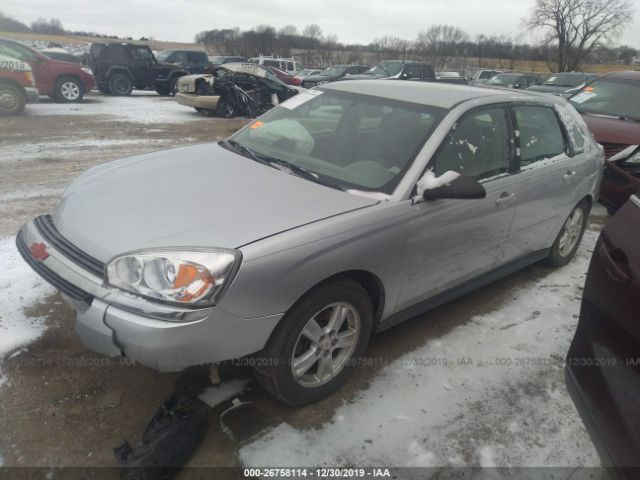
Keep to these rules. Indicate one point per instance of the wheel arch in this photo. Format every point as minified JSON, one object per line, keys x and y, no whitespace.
{"x":13,"y":83}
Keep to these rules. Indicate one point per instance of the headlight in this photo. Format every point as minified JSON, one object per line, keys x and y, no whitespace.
{"x":176,"y":276}
{"x":87,"y":70}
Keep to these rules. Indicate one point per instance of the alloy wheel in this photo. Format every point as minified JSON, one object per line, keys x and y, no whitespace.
{"x":70,"y":91}
{"x":326,"y":344}
{"x":571,"y":232}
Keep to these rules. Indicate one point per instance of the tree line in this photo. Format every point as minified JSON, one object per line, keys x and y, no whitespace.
{"x":574,"y":32}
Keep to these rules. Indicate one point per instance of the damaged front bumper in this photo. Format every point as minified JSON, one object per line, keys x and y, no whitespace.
{"x":115,"y":323}
{"x":207,"y":102}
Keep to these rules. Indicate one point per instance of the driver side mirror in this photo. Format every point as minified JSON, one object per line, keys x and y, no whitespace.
{"x":460,"y":187}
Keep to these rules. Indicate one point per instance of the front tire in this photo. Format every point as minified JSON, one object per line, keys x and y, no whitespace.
{"x":225,"y":109}
{"x":310,"y":353}
{"x":68,"y":90}
{"x":12,"y":100}
{"x":120,"y":84}
{"x":568,"y":240}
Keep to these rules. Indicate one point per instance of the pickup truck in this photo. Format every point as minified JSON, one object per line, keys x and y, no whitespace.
{"x":17,"y":84}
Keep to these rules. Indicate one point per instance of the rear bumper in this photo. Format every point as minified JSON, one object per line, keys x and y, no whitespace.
{"x":32,"y":94}
{"x":208,"y":102}
{"x":115,"y":323}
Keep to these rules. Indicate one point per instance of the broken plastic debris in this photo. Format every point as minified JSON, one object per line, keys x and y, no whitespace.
{"x":173,"y":434}
{"x":215,"y":395}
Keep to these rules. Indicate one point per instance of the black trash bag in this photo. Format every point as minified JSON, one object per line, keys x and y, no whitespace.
{"x":173,"y":434}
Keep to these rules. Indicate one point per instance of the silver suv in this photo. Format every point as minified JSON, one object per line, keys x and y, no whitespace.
{"x":341,"y":212}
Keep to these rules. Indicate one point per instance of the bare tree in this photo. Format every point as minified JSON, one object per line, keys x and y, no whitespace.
{"x":579,"y":26}
{"x":53,"y":26}
{"x":438,"y":43}
{"x":389,"y":47}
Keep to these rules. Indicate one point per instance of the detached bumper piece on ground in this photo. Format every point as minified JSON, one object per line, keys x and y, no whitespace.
{"x":168,"y":442}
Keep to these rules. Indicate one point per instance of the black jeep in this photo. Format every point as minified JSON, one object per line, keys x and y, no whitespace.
{"x":121,"y":67}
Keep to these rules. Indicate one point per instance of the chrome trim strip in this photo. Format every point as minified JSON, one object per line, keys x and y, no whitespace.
{"x":635,"y":199}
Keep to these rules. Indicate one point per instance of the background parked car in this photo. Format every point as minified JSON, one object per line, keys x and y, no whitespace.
{"x":480,"y":77}
{"x":222,"y":59}
{"x":307,"y":72}
{"x":561,"y":83}
{"x":60,"y":54}
{"x":451,"y":77}
{"x":284,"y":76}
{"x":121,"y":67}
{"x":17,"y":82}
{"x":193,"y":61}
{"x":603,"y":363}
{"x":233,"y":89}
{"x":62,"y":81}
{"x":288,"y":65}
{"x":519,"y":81}
{"x":611,"y":107}
{"x":397,"y":70}
{"x":332,"y":74}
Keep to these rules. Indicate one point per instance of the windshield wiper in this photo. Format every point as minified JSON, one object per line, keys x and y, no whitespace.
{"x":273,"y":161}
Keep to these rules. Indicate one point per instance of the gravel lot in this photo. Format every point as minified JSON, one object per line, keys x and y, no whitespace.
{"x":437,"y":393}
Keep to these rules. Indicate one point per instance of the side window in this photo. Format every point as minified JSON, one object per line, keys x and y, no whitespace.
{"x":540,"y":135}
{"x":478,"y":146}
{"x":427,"y":72}
{"x":141,"y":53}
{"x":196,"y":58}
{"x":352,"y":71}
{"x":412,"y":71}
{"x":179,"y":57}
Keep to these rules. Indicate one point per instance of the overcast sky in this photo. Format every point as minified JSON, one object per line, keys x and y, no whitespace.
{"x":354,"y":21}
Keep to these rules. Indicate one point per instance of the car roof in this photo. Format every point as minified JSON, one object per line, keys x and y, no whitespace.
{"x":437,"y":94}
{"x":626,"y":75}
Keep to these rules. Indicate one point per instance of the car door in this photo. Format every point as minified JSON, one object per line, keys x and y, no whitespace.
{"x":411,"y":72}
{"x":454,"y":241}
{"x":546,"y":172}
{"x":142,"y":66}
{"x":604,"y":359}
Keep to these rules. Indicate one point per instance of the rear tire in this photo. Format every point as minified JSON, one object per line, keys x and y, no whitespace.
{"x":568,"y":240}
{"x":204,"y":111}
{"x":68,"y":90}
{"x":311,"y":352}
{"x":162,"y":90}
{"x":173,"y":86}
{"x":120,"y":84}
{"x":12,"y":100}
{"x":104,"y":89}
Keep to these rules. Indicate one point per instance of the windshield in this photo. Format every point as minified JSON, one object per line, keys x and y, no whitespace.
{"x":334,"y":71}
{"x":610,"y":96}
{"x":344,"y":140}
{"x":385,"y":69}
{"x":163,"y":55}
{"x":504,"y":80}
{"x":565,"y":80}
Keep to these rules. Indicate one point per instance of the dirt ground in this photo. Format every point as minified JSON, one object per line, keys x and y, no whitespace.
{"x":66,"y":406}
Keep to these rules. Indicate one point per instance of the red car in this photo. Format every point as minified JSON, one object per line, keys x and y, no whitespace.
{"x":284,"y":76}
{"x":603,"y":364}
{"x":17,"y":83}
{"x":63,"y":81}
{"x":611,"y":107}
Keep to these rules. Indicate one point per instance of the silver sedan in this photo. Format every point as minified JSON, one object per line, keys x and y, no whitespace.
{"x":341,"y":212}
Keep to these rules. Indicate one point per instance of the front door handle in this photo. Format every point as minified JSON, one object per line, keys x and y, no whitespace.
{"x":568,"y":177}
{"x":505,"y":198}
{"x":614,"y":269}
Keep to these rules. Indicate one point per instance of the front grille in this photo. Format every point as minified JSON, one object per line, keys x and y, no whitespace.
{"x":611,"y":149}
{"x":53,"y":278}
{"x":45,"y":226}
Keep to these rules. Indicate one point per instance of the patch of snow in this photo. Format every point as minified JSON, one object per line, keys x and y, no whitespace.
{"x":61,"y":147}
{"x":141,"y":106}
{"x":542,"y":163}
{"x":429,"y":181}
{"x":373,"y":195}
{"x":20,"y":287}
{"x":29,"y":194}
{"x":496,"y":398}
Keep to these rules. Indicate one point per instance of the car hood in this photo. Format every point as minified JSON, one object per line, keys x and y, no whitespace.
{"x":613,"y":130}
{"x":202,"y":195}
{"x":362,"y":76}
{"x":555,"y":89}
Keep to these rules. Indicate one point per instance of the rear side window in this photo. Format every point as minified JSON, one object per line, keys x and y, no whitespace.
{"x":197,"y":58}
{"x":539,"y":133}
{"x":117,"y":53}
{"x":478,"y":146}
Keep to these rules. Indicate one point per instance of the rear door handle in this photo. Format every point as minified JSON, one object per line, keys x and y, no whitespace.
{"x":505,"y":198}
{"x":613,"y":268}
{"x":568,"y":177}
